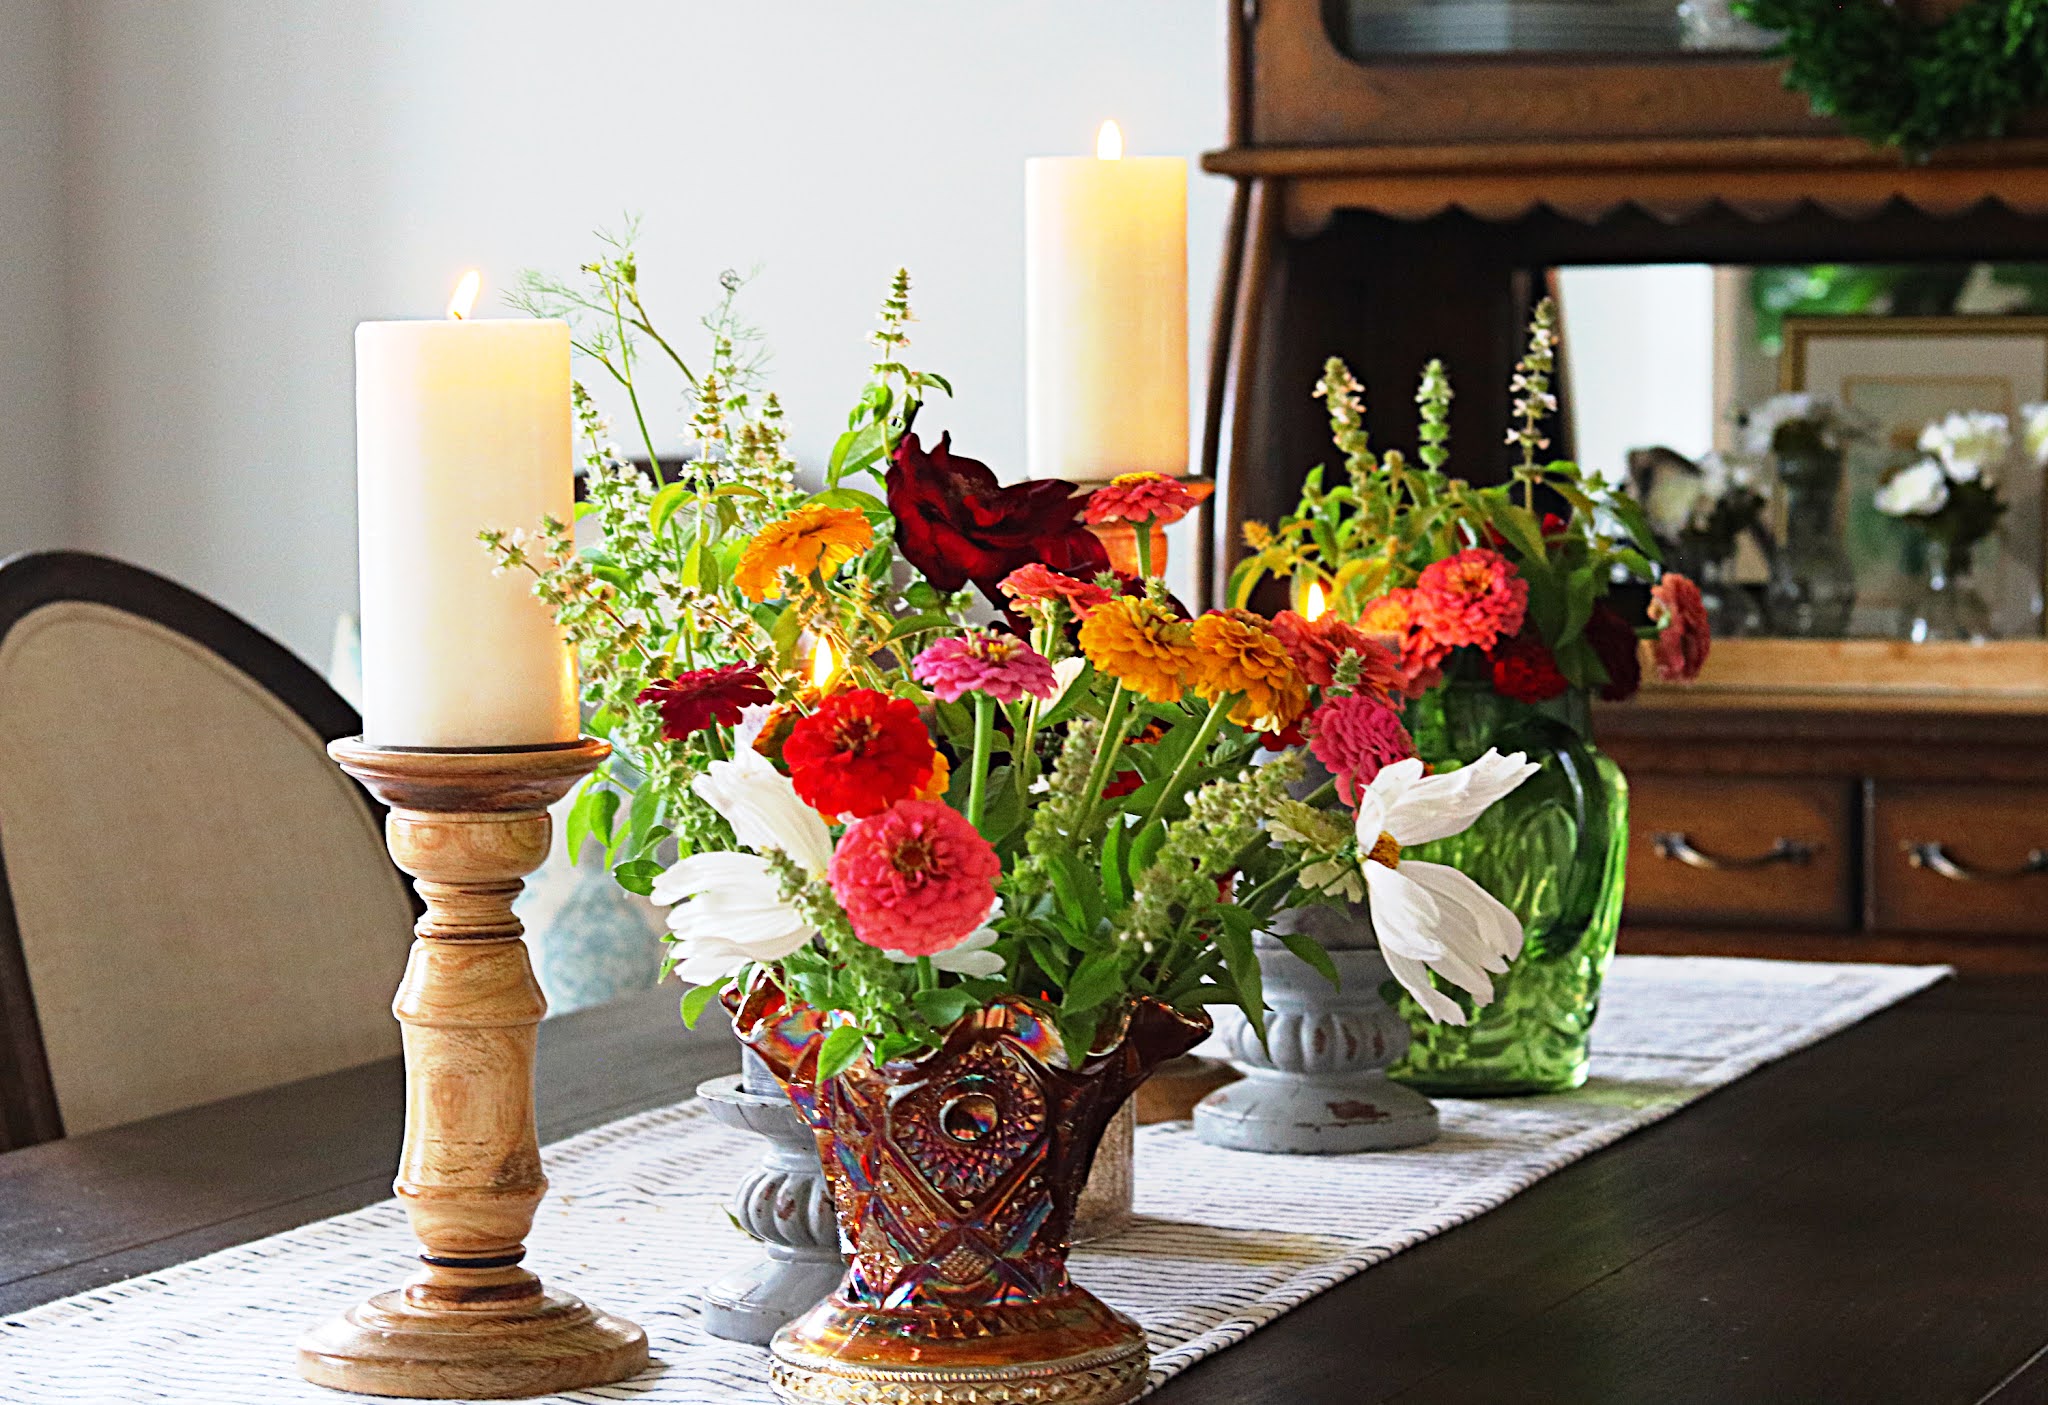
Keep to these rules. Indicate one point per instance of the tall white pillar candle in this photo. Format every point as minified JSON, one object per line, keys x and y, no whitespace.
{"x":1106,"y":313}
{"x":460,"y":425}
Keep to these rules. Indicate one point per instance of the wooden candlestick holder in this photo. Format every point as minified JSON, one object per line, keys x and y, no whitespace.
{"x":472,"y":1323}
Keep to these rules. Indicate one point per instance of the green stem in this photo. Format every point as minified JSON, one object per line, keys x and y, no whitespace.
{"x":1145,"y":547}
{"x":984,"y":738}
{"x":927,"y":974}
{"x":1107,"y":746}
{"x":1191,"y":756}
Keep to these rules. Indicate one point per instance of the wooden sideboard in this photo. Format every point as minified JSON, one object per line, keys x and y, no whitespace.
{"x":1780,"y":810}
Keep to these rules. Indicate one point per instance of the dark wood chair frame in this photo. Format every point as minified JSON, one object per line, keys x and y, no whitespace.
{"x":28,"y":1099}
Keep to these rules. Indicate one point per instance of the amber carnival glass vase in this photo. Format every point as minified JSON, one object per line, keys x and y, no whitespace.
{"x":955,"y":1177}
{"x":1554,"y":851}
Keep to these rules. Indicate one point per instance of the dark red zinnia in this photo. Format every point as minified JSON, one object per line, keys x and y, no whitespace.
{"x":705,"y":697}
{"x":956,"y":523}
{"x":859,"y":753}
{"x":1524,"y":669}
{"x":1614,"y":641}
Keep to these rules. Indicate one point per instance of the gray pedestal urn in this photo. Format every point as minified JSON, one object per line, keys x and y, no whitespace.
{"x":1319,"y":1084}
{"x":784,"y":1202}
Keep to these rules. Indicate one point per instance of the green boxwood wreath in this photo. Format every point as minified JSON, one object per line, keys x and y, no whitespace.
{"x":1895,"y":81}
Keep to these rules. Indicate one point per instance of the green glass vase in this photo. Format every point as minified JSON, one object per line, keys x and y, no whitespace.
{"x":1554,"y":850}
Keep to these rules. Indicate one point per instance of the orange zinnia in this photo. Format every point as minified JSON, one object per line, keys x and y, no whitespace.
{"x":1240,"y":654}
{"x":813,"y":538}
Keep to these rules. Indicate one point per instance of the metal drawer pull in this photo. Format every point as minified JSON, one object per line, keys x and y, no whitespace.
{"x":1673,"y":844}
{"x":1934,"y":858}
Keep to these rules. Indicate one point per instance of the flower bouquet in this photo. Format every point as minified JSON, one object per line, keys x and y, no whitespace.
{"x":1499,"y":602}
{"x":967,"y":828}
{"x":1812,"y":588}
{"x":1951,"y":496}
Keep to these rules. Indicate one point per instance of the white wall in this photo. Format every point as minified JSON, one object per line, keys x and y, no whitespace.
{"x":35,"y":457}
{"x":251,"y":178}
{"x":1641,"y":345}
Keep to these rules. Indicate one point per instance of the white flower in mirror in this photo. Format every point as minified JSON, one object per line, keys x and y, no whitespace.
{"x":2034,"y":433}
{"x":1429,"y":916}
{"x":1971,"y":444}
{"x":731,"y":906}
{"x":1918,"y":490}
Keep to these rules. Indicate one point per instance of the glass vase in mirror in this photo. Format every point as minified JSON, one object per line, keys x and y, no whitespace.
{"x":1945,"y":604}
{"x":1812,"y":589}
{"x":1554,"y":852}
{"x":1733,"y":610}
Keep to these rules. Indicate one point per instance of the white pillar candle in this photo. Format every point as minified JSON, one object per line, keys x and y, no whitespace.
{"x":460,"y":425}
{"x":1106,"y":313}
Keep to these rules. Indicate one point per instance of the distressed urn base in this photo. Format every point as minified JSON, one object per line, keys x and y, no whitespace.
{"x":784,"y":1202}
{"x":1320,"y":1083}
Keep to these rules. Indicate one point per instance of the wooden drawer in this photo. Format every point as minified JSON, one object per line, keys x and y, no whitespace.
{"x":1959,"y":858}
{"x":1730,"y":851}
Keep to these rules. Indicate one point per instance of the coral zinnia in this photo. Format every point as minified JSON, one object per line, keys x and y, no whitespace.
{"x":1237,"y":653}
{"x":702,"y":697}
{"x":1317,"y":645}
{"x":1473,"y":598}
{"x":1139,"y":498}
{"x":916,"y":878}
{"x":1392,"y":617}
{"x":1525,"y":670}
{"x":1036,"y":583}
{"x":1139,"y":643}
{"x":859,"y":753}
{"x":1612,"y":639}
{"x":1354,"y":736}
{"x":956,"y":523}
{"x":1004,"y":667}
{"x":813,"y":538}
{"x":1683,"y":641}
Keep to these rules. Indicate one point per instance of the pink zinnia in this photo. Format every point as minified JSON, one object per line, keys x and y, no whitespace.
{"x":1355,"y":735}
{"x":1391,"y":618}
{"x":916,"y":878}
{"x":1004,"y":667}
{"x":1139,"y":498}
{"x":1683,"y":641}
{"x":1037,"y":583}
{"x":1472,"y":598}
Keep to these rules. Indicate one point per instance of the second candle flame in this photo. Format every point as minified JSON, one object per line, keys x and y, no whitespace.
{"x":1109,"y":143}
{"x":466,"y":290}
{"x":823,"y":664}
{"x":1316,"y":603}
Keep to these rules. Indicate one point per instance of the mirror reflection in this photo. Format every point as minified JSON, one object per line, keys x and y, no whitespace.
{"x":1832,"y":450}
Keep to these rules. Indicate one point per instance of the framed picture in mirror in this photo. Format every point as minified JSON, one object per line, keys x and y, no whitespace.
{"x":1901,"y":375}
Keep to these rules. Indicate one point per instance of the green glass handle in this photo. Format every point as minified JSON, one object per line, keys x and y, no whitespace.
{"x":1674,"y":844}
{"x":1934,"y":857}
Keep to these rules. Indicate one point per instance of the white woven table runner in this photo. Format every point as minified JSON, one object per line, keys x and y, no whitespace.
{"x":1226,"y":1241}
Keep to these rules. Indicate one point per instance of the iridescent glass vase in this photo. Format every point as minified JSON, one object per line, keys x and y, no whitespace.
{"x":1554,"y":852}
{"x":955,"y":1177}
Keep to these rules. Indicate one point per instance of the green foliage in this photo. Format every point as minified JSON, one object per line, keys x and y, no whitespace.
{"x":1895,"y":81}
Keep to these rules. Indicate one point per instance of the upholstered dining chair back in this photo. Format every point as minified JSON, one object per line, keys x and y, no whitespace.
{"x":194,"y":901}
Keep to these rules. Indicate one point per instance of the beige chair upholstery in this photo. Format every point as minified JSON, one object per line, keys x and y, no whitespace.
{"x":203,"y":900}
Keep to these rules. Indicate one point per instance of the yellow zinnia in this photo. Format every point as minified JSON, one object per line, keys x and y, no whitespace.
{"x":813,"y":538}
{"x":1236,"y":652}
{"x":1142,"y":645}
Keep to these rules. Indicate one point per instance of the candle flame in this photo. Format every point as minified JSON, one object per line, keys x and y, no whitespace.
{"x":1109,"y":143}
{"x":1317,"y":603}
{"x":823,"y":664}
{"x":466,"y":290}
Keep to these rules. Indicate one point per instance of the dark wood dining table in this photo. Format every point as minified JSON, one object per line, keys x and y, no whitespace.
{"x":1862,"y":1222}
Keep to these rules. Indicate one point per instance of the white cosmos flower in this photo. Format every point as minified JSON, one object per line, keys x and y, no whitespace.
{"x":1429,"y":916}
{"x":731,"y":906}
{"x":1971,"y":444}
{"x":2034,"y":432}
{"x":970,"y":956}
{"x":1918,"y":490}
{"x":1063,"y":675}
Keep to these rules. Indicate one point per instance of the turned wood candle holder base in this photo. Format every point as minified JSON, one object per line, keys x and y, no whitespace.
{"x":472,"y":1323}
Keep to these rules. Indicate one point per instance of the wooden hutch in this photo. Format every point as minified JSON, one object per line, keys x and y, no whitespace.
{"x":1851,"y":799}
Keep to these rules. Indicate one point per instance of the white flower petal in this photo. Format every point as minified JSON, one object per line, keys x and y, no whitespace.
{"x":1404,"y":915}
{"x":703,"y":873}
{"x":1436,"y":807}
{"x":1496,"y":931}
{"x":1063,"y":675}
{"x":1414,"y":977}
{"x":762,"y":807}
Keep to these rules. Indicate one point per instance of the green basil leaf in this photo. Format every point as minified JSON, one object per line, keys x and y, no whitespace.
{"x":840,"y":1050}
{"x":944,"y":1005}
{"x":697,"y":999}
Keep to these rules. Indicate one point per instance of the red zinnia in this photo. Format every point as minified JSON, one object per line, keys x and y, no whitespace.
{"x":1615,"y":643}
{"x":1474,"y":598}
{"x":956,"y":523}
{"x":859,"y":753}
{"x":1683,"y":640}
{"x":703,"y":697}
{"x":1525,"y":670}
{"x":1318,"y":645}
